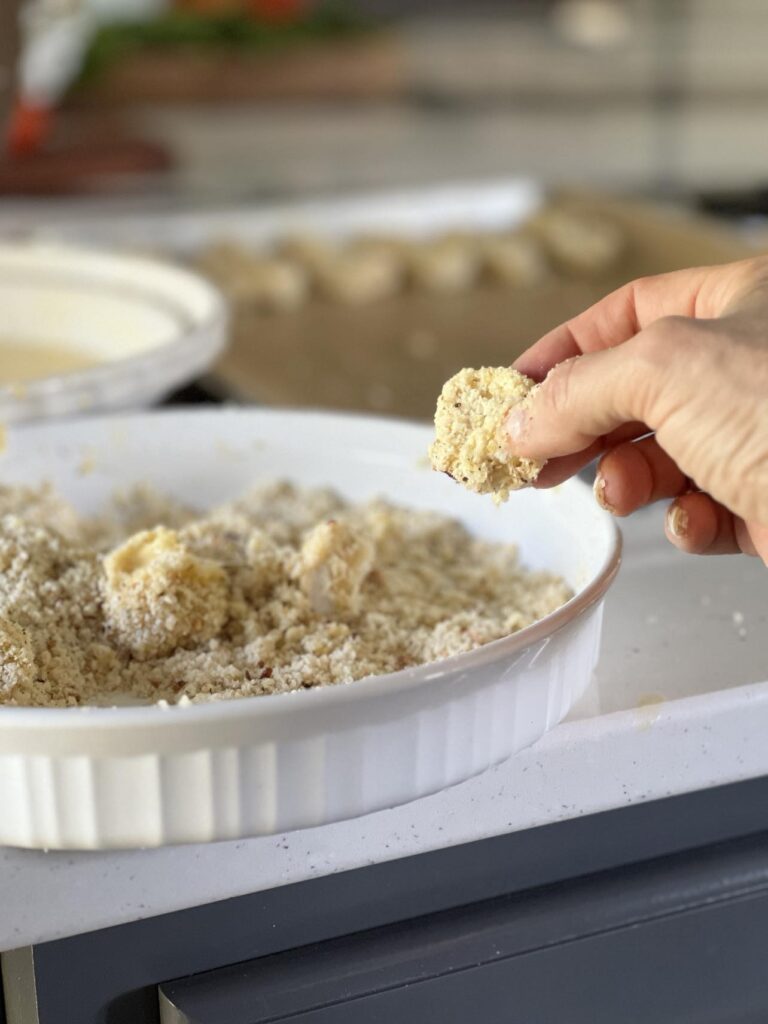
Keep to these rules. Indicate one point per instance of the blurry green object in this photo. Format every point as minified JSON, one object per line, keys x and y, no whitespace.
{"x":239,"y":31}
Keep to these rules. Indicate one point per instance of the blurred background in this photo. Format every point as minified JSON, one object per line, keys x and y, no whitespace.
{"x":259,"y":98}
{"x":125,"y":108}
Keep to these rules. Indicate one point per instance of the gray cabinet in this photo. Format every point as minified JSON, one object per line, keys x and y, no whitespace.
{"x":682,"y":939}
{"x":653,"y":913}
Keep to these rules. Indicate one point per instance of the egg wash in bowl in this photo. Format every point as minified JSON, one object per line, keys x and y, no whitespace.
{"x":84,"y":329}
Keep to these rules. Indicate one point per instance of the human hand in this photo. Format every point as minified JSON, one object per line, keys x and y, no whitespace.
{"x":666,"y":379}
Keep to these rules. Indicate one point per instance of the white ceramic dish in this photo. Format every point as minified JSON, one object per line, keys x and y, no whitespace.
{"x":490,"y":205}
{"x":146,"y":776}
{"x":148,"y":326}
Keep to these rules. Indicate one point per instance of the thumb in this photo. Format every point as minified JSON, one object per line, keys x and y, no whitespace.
{"x":580,"y":400}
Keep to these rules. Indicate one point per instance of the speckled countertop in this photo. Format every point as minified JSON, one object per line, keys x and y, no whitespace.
{"x":680,"y":702}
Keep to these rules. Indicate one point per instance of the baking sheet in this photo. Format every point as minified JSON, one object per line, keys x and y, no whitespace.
{"x":393,"y":355}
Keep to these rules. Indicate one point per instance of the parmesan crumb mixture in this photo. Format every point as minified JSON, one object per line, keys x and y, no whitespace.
{"x":470,"y":445}
{"x":280,"y":590}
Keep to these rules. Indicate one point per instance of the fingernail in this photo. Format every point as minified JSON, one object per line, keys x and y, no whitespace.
{"x":599,"y":491}
{"x":517,"y":424}
{"x":677,"y":521}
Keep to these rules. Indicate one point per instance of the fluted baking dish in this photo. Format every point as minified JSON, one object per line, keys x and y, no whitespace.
{"x":145,"y":776}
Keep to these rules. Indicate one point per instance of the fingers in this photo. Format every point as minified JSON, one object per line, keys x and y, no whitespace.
{"x":699,"y":525}
{"x":656,"y":352}
{"x":744,"y":537}
{"x":558,"y":470}
{"x":560,"y":344}
{"x":700,"y":292}
{"x":615,"y":319}
{"x":634,"y":474}
{"x":581,"y":400}
{"x":758,"y":537}
{"x":637,"y":473}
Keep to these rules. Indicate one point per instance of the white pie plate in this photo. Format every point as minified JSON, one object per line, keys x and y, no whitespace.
{"x":147,"y":776}
{"x":148,"y":326}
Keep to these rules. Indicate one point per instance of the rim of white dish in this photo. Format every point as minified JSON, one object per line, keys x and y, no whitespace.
{"x":209,"y":327}
{"x":366,"y":688}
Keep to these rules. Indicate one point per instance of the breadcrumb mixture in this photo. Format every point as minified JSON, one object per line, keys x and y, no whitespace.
{"x":280,"y":590}
{"x":469,"y":442}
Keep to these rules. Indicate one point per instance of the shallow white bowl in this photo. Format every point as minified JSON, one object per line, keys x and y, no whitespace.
{"x":149,"y":326}
{"x":145,"y":776}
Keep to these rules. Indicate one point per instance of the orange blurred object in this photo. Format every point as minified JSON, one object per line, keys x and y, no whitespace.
{"x":89,"y":166}
{"x":29,"y":129}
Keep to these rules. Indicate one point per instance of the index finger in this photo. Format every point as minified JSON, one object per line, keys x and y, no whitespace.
{"x":623,"y":313}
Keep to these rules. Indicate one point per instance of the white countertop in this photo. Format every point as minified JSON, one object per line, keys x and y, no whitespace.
{"x":684,"y":705}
